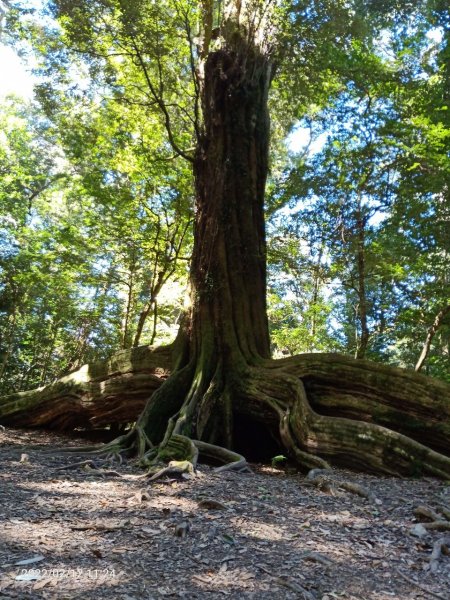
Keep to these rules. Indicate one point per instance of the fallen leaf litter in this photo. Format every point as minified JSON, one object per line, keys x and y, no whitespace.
{"x":92,"y":533}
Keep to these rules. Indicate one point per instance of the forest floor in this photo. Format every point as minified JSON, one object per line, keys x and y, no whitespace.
{"x":103,"y":533}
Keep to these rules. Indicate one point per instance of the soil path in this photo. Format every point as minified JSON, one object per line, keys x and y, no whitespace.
{"x":103,"y":533}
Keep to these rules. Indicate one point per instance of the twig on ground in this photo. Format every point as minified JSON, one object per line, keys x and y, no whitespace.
{"x":442,"y":546}
{"x":109,"y":473}
{"x":84,"y":463}
{"x":425,"y":512}
{"x":445,"y":512}
{"x":322,"y":480}
{"x":419,"y":586}
{"x":437,"y":526}
{"x":317,"y":557}
{"x":182,"y":529}
{"x":357,"y":489}
{"x":178,"y":468}
{"x":296,"y":587}
{"x":233,"y":461}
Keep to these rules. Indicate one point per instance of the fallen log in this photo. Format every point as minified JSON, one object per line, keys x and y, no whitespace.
{"x":113,"y":391}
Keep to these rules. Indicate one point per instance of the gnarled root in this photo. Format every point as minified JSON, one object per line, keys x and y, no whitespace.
{"x":112,"y":391}
{"x":441,"y":546}
{"x":340,"y":386}
{"x":322,"y":479}
{"x":232,"y":460}
{"x":318,"y":407}
{"x":313,"y":439}
{"x":190,"y":403}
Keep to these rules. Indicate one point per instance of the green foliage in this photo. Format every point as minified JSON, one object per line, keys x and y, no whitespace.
{"x":96,"y":199}
{"x":375,"y":199}
{"x":279,"y":460}
{"x":90,"y":244}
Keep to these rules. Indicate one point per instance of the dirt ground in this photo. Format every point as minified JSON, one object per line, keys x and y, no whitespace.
{"x":105,"y":533}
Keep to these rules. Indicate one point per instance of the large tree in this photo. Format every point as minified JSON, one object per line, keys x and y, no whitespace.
{"x":318,"y":407}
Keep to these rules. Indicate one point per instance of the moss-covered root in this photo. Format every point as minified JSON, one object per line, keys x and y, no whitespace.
{"x":113,"y":391}
{"x":232,"y":460}
{"x":341,"y":441}
{"x":178,"y":448}
{"x":135,"y":443}
{"x":360,"y":445}
{"x":410,"y":403}
{"x":181,"y":448}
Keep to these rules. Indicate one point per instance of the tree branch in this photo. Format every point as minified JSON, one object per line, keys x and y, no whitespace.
{"x":160,"y":102}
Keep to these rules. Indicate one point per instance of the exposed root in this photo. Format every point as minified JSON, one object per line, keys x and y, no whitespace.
{"x":318,"y":558}
{"x":360,"y":390}
{"x":323,"y":480}
{"x":92,"y":449}
{"x":294,"y":586}
{"x":445,"y":512}
{"x":312,"y":439}
{"x":182,"y":529}
{"x":320,"y":480}
{"x":134,"y":442}
{"x":92,"y":466}
{"x":437,"y":526}
{"x":359,"y":490}
{"x":304,"y":460}
{"x":112,"y":457}
{"x":441,"y":546}
{"x":424,"y":512}
{"x":178,"y":468}
{"x":314,"y":473}
{"x":200,"y":399}
{"x":109,"y":473}
{"x":84,"y":463}
{"x":108,"y":392}
{"x":179,"y":447}
{"x":233,"y":461}
{"x":142,"y":443}
{"x":182,"y":454}
{"x":211,"y":504}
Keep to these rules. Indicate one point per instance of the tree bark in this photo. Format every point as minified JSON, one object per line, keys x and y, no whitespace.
{"x":227,"y":326}
{"x":358,"y":403}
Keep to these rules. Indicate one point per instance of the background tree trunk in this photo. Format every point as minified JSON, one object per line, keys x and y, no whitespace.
{"x":438,"y":321}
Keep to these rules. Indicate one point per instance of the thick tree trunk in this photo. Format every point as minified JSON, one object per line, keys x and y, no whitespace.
{"x":227,"y":328}
{"x":224,"y":373}
{"x":228,"y":273}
